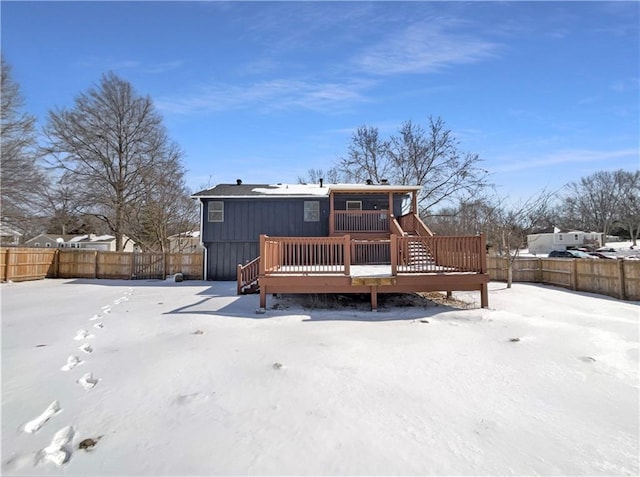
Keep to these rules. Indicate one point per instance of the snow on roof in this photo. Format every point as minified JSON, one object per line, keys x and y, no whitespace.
{"x":78,"y":238}
{"x":102,"y":238}
{"x":297,"y":190}
{"x":293,"y":189}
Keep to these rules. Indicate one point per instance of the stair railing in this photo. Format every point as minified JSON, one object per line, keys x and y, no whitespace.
{"x":247,"y":275}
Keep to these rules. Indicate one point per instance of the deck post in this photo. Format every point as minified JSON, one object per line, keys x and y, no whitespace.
{"x":347,"y":255}
{"x":239,"y":278}
{"x":483,"y":253}
{"x":374,"y":298}
{"x":263,"y":239}
{"x":263,"y":297}
{"x":484,"y":295}
{"x":393,"y":246}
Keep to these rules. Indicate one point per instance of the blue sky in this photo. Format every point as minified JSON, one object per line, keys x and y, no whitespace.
{"x":544,"y":92}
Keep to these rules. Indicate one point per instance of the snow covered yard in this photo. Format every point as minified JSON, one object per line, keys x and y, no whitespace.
{"x":186,"y":379}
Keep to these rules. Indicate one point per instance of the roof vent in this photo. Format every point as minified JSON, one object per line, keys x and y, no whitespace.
{"x":239,"y":181}
{"x":384,"y":181}
{"x":321,"y":179}
{"x":369,"y":182}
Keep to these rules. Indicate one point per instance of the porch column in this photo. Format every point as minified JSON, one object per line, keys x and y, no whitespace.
{"x":414,"y":202}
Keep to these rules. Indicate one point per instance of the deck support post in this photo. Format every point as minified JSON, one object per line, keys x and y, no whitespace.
{"x":449,"y":294}
{"x":484,"y":295}
{"x":374,"y":298}
{"x":263,"y":298}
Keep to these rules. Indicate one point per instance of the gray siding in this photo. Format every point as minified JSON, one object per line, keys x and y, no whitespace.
{"x":236,"y":240}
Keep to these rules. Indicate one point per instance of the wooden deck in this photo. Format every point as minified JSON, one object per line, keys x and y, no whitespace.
{"x":401,"y":264}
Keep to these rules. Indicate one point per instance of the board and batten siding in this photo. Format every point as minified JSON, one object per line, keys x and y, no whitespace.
{"x":236,"y":239}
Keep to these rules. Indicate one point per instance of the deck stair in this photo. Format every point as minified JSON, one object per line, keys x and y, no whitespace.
{"x":418,"y":252}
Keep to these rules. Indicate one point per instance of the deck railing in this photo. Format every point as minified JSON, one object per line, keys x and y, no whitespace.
{"x":371,"y":252}
{"x":345,"y":221}
{"x":305,"y":254}
{"x":405,"y":254}
{"x":441,"y":254}
{"x":412,"y":224}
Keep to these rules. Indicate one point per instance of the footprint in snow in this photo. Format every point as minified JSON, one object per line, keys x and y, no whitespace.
{"x":72,"y":362}
{"x":86,"y":348}
{"x":106,"y":309}
{"x":95,"y":317}
{"x":59,"y":451}
{"x":82,"y":334}
{"x":35,"y":424}
{"x":87,"y":381}
{"x":98,"y":325}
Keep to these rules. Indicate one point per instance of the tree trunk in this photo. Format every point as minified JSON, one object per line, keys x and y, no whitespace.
{"x":510,"y":274}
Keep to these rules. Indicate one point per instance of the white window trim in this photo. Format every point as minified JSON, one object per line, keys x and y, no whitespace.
{"x":350,"y":203}
{"x":219,"y":211}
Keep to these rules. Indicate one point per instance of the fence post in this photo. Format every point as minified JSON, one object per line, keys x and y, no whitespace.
{"x":132,"y":260}
{"x":539,"y":271}
{"x":574,"y":274}
{"x":7,"y":265}
{"x":95,"y":264}
{"x":56,"y":263}
{"x":621,"y":280}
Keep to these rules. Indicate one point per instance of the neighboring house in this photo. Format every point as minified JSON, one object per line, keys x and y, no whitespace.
{"x":106,"y":243}
{"x":560,"y":240}
{"x":185,"y":242}
{"x":317,"y":238}
{"x":9,"y":236}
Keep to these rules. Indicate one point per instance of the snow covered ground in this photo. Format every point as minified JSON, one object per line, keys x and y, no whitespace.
{"x":108,"y":377}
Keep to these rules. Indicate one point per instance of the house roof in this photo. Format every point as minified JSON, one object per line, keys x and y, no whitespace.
{"x":73,"y":238}
{"x":295,"y":190}
{"x":7,"y":231}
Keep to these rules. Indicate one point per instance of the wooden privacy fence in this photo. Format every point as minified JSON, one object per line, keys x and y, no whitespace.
{"x":21,"y":264}
{"x":617,"y":278}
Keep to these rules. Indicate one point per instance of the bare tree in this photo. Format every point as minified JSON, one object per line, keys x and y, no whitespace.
{"x":629,"y":213}
{"x":22,"y":177}
{"x":164,"y":210}
{"x":430,"y":158}
{"x":366,"y":158}
{"x":330,"y":176}
{"x":113,"y":144}
{"x":594,"y":202}
{"x":511,"y":223}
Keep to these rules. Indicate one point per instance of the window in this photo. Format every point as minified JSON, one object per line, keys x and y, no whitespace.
{"x":37,"y":244}
{"x":47,"y":244}
{"x":312,"y":211}
{"x":560,"y":237}
{"x":216,"y":211}
{"x":354,"y":205}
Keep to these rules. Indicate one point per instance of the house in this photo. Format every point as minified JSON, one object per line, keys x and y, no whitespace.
{"x":561,"y":240}
{"x":185,"y":242}
{"x":332,"y":238}
{"x":9,"y":235}
{"x":106,"y":243}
